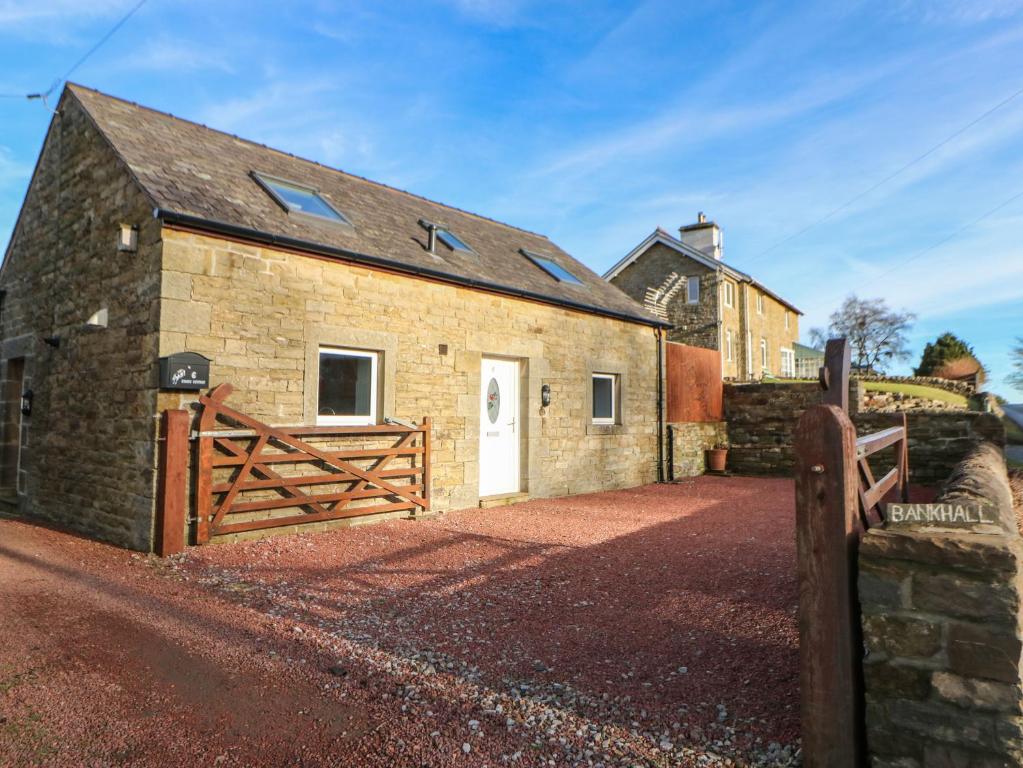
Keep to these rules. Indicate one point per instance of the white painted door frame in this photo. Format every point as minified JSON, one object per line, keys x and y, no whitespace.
{"x":500,"y":427}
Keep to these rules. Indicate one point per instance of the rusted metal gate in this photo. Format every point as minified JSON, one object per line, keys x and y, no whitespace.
{"x":252,"y":476}
{"x":837,"y":500}
{"x":694,"y":387}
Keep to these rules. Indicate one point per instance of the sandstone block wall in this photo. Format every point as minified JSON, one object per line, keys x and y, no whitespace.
{"x":942,"y":633}
{"x":660,"y":268}
{"x":88,"y":450}
{"x":260,"y":315}
{"x":688,"y":443}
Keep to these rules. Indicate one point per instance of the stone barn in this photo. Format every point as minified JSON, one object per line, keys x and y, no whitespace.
{"x":326,"y":300}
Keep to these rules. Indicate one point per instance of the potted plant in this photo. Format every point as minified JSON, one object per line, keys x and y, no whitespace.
{"x":716,"y":457}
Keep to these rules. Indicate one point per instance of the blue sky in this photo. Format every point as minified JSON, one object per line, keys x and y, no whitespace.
{"x":594,"y":122}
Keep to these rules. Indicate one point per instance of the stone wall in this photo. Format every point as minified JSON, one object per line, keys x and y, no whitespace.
{"x":261,"y":314}
{"x":87,"y":458}
{"x":761,"y":419}
{"x":941,"y":628}
{"x":938,"y":440}
{"x":688,"y":443}
{"x":658,"y":280}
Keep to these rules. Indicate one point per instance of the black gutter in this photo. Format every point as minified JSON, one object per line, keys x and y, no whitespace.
{"x":267,"y":238}
{"x":660,"y":407}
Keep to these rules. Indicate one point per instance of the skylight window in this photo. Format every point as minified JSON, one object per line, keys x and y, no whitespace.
{"x":294,"y":198}
{"x":552,"y":268}
{"x":452,"y":241}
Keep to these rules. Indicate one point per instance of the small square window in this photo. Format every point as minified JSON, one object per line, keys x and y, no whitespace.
{"x":295,"y":198}
{"x":551,"y":267}
{"x":347,"y":392}
{"x":693,"y":290}
{"x":605,"y":398}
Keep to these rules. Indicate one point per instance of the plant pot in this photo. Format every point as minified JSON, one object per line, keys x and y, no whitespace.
{"x":716,"y":458}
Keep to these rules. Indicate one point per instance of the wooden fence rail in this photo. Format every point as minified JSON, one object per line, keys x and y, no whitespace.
{"x":239,"y":489}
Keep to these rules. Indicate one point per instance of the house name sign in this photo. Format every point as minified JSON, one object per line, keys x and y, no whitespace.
{"x":949,"y":514}
{"x":188,"y":371}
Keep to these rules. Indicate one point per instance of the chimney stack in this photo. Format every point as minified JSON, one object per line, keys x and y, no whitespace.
{"x":705,"y":236}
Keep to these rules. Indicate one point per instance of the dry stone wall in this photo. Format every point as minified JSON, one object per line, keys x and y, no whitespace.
{"x":761,"y":419}
{"x":941,"y":608}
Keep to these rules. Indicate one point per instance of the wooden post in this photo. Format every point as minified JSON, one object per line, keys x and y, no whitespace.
{"x":828,"y":531}
{"x":902,"y":457}
{"x":204,"y":469}
{"x":173,"y":471}
{"x":427,"y":461}
{"x":834,"y":375}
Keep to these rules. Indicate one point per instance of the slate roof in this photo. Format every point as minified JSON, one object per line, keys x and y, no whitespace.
{"x":664,"y":237}
{"x":202,"y":177}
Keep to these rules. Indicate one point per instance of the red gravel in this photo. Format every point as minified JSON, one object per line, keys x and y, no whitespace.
{"x":646,"y":626}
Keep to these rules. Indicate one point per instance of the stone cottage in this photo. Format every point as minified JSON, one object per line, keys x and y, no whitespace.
{"x":321,"y":297}
{"x":684,"y":281}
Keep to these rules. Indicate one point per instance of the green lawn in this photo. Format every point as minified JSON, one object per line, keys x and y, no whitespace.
{"x":917,"y":390}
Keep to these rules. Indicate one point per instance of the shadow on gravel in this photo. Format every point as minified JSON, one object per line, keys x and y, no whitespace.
{"x":680,"y":614}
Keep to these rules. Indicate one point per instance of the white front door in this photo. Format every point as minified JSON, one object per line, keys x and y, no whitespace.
{"x":499,"y":427}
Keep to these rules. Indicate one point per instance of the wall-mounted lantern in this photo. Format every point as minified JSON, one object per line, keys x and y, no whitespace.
{"x":545,"y":395}
{"x":26,"y":402}
{"x":128,"y":238}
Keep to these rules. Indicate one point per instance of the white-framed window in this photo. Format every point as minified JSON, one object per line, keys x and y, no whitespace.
{"x":605,"y":398}
{"x":693,"y":290}
{"x":728,"y":345}
{"x":788,"y":363}
{"x":749,"y":350}
{"x":786,"y":319}
{"x":763,"y":354}
{"x":348,"y":383}
{"x":729,"y":294}
{"x":760,"y":303}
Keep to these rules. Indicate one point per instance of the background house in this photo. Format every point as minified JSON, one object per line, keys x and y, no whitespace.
{"x":323,"y":298}
{"x":684,"y":281}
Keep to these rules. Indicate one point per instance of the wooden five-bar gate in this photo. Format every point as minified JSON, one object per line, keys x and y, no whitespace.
{"x":837,"y":501}
{"x":250,"y":475}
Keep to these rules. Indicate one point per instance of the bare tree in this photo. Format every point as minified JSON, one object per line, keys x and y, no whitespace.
{"x":1015,"y":378}
{"x":876,"y":333}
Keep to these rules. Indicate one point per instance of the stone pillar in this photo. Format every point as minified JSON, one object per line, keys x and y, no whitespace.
{"x":940,"y":607}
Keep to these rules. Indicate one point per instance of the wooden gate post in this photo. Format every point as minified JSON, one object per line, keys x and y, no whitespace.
{"x":172,"y":473}
{"x":828,"y":531}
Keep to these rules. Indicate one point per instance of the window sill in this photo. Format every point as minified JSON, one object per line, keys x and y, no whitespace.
{"x":604,"y":429}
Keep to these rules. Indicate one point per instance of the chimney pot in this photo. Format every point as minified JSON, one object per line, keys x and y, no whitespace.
{"x":705,"y":236}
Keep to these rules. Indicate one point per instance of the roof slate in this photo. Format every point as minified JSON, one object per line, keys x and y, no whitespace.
{"x":203,"y":174}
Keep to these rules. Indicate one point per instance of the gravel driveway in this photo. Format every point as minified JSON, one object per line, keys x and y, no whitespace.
{"x":653,"y":626}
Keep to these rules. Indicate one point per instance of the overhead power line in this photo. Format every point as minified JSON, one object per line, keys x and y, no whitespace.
{"x":43,"y":95}
{"x":895,"y":174}
{"x":933,"y":246}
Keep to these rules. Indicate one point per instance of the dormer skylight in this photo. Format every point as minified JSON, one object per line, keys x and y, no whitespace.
{"x":452,"y":241}
{"x":552,"y":268}
{"x":295,"y":198}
